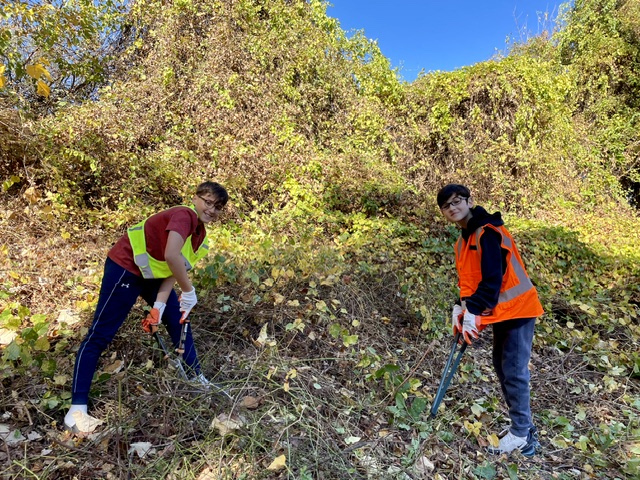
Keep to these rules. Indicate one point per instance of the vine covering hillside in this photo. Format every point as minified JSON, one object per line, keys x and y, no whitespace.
{"x":324,"y":303}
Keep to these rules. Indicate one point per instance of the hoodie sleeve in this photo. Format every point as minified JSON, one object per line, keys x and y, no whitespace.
{"x":493,"y":266}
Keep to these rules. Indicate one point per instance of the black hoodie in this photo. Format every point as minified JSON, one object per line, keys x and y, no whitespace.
{"x":493,"y":262}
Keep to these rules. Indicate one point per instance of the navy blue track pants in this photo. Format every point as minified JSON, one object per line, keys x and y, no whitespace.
{"x":512,"y":340}
{"x":119,"y":292}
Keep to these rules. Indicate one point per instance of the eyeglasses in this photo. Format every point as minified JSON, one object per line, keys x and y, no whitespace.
{"x":217,"y":204}
{"x":453,"y":203}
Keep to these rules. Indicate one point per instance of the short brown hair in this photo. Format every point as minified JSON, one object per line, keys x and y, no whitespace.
{"x":214,"y":189}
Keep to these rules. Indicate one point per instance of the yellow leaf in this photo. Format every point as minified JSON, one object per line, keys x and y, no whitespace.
{"x":278,"y":464}
{"x":3,"y":81}
{"x":329,"y":281}
{"x":493,"y":440}
{"x":262,"y":338}
{"x":473,"y":428}
{"x":286,"y":386}
{"x":32,"y":71}
{"x":293,"y":373}
{"x":2,"y":69}
{"x":42,"y":89}
{"x":31,"y":195}
{"x":37,"y":71}
{"x":277,"y":299}
{"x":293,"y":303}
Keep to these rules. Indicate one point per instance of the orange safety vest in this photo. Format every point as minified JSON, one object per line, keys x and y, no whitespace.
{"x":518,"y":297}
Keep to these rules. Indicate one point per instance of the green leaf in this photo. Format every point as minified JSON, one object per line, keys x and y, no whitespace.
{"x":485,"y":470}
{"x":477,"y":409}
{"x":349,"y":340}
{"x":418,"y":407}
{"x":388,"y":368}
{"x":559,"y":442}
{"x":12,"y":352}
{"x":335,"y":330}
{"x":42,"y":344}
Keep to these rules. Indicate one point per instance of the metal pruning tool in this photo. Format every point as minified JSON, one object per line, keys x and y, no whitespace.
{"x":448,"y":372}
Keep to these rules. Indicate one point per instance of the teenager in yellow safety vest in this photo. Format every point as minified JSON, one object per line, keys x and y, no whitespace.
{"x":146,"y":262}
{"x":495,"y":290}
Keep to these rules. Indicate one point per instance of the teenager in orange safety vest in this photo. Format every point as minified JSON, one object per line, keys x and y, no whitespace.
{"x":146,"y":262}
{"x":495,"y":290}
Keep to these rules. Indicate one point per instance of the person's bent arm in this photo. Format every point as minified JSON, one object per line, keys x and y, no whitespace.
{"x":165,"y":289}
{"x":493,"y":266}
{"x":175,"y":261}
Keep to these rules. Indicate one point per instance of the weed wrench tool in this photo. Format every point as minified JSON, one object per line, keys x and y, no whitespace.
{"x":174,"y":362}
{"x":449,"y":370}
{"x":180,"y":351}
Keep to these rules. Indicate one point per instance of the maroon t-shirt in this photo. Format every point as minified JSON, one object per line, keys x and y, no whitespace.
{"x":183,"y":220}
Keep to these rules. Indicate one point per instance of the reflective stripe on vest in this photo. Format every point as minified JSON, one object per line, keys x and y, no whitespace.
{"x":153,"y":268}
{"x":516,"y":283}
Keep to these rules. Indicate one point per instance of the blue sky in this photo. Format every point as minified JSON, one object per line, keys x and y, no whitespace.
{"x":441,"y":34}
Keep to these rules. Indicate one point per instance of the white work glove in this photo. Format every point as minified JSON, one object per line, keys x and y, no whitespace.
{"x":154,"y":318}
{"x":456,"y":316}
{"x":188,"y":300}
{"x":471,"y":326}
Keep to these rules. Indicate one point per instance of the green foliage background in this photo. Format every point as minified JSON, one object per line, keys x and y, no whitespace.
{"x":332,"y":164}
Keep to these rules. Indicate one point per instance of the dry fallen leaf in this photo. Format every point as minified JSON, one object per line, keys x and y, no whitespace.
{"x":278,"y":464}
{"x":86,"y":423}
{"x":60,"y":379}
{"x":115,"y":367}
{"x":351,"y":440}
{"x":225,"y":424}
{"x":424,"y":467}
{"x":142,"y":449}
{"x":250,"y":402}
{"x":9,"y":436}
{"x":263,"y":338}
{"x":208,"y":474}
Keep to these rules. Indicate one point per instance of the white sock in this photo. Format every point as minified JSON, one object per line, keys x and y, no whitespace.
{"x":69,"y":421}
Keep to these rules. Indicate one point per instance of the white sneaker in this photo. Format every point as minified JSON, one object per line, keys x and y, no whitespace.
{"x":508,"y":444}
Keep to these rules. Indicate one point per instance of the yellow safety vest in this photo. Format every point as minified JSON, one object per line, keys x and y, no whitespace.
{"x":154,"y":268}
